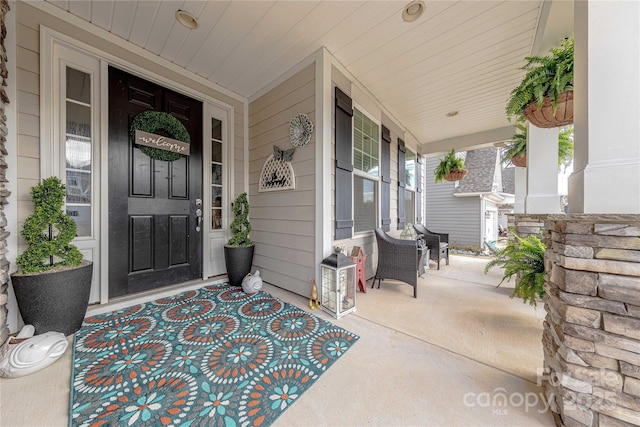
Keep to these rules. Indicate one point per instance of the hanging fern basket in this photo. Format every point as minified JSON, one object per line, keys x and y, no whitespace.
{"x":519,"y":161}
{"x":544,"y":117}
{"x":456,"y":175}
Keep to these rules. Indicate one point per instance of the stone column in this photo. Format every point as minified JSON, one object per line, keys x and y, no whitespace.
{"x":606,"y":177}
{"x":4,"y":193}
{"x":542,"y":171}
{"x":591,"y":335}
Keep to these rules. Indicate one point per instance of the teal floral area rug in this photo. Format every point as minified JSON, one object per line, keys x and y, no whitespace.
{"x":215,"y":356}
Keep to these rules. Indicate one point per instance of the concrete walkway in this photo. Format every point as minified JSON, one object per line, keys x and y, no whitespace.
{"x":462,"y":354}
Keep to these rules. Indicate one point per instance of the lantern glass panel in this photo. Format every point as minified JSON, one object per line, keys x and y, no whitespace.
{"x":329,"y":288}
{"x":347,"y":289}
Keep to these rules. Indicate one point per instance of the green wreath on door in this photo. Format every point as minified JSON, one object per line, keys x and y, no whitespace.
{"x":151,"y":121}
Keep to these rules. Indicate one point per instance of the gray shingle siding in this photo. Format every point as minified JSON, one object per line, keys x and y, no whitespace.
{"x":481,"y":164}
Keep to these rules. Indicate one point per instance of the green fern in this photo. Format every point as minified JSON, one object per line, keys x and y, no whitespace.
{"x":546,"y":76}
{"x":518,"y":144}
{"x":449,"y":163}
{"x":523,"y":258}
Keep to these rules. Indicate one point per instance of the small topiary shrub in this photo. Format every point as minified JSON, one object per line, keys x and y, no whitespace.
{"x":48,"y":231}
{"x":240,"y":227}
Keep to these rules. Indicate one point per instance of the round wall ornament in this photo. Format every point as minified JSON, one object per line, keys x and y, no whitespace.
{"x":151,"y":122}
{"x":300,"y":130}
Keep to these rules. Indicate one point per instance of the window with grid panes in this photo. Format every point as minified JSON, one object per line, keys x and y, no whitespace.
{"x":410,"y":189}
{"x":366,"y":148}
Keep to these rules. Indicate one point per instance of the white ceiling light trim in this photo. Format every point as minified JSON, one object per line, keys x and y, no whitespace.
{"x":187,"y":19}
{"x":413,"y":11}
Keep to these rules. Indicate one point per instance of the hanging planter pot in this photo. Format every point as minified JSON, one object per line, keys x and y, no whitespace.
{"x":543,"y":117}
{"x":450,"y":168}
{"x":455,"y":175}
{"x":519,"y":161}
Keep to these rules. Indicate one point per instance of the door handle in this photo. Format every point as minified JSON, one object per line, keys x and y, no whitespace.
{"x":198,"y":219}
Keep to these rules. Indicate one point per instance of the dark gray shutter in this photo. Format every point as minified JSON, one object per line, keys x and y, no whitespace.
{"x":418,"y":189}
{"x":385,"y":177}
{"x":402,"y":183}
{"x":344,"y":166}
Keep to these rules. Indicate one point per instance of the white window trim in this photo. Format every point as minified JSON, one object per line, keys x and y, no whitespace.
{"x":55,"y":57}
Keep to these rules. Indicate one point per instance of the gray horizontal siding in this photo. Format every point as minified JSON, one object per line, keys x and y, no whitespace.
{"x":445,"y":213}
{"x":283,"y":222}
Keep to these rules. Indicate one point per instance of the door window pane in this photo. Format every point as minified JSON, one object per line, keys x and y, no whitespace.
{"x":78,"y":149}
{"x":216,"y":174}
{"x":78,"y":86}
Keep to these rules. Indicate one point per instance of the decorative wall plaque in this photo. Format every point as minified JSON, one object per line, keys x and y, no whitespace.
{"x":277,"y":172}
{"x":300,"y":130}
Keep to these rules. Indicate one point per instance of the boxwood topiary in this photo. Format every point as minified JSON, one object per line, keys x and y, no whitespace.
{"x":240,"y":227}
{"x":48,"y":231}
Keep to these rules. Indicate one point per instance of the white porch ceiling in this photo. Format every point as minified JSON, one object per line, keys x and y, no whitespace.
{"x":459,"y":56}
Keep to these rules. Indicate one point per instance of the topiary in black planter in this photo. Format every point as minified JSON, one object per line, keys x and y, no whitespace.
{"x":53,"y":282}
{"x":238,"y":252}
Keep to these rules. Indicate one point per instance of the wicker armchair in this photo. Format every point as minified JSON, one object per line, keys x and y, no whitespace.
{"x":438,"y":243}
{"x":397,"y":259}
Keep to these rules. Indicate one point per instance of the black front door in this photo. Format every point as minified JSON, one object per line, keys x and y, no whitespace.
{"x":153,"y":241}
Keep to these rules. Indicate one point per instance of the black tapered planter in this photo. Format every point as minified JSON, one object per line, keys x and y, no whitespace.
{"x":238,"y":262}
{"x":54,"y":301}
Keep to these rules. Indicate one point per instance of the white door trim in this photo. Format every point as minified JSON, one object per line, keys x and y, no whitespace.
{"x":51,"y":156}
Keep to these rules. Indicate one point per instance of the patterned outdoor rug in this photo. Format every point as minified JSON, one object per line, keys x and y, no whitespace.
{"x":211,"y":357}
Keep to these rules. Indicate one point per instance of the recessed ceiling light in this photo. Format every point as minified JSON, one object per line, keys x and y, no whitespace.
{"x":187,"y":19}
{"x":452,"y":113}
{"x":413,"y":10}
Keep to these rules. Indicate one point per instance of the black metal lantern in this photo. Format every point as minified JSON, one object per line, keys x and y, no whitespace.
{"x":338,"y":278}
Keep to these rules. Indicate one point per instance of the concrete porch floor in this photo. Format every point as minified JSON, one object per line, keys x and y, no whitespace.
{"x":462,"y":354}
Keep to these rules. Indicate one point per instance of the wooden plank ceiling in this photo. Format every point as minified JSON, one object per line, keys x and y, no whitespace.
{"x":459,"y":56}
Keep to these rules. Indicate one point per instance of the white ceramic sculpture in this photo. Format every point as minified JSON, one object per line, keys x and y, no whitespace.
{"x":25,"y":354}
{"x":252,"y":283}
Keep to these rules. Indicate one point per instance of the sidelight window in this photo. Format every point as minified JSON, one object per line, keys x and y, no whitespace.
{"x":216,"y":174}
{"x":78,"y":149}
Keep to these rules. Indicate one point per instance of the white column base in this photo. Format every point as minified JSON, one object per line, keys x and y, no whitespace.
{"x":543,"y":204}
{"x":610,"y":191}
{"x":521,"y":190}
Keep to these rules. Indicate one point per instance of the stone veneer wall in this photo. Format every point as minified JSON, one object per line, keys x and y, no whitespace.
{"x":591,"y":335}
{"x":4,"y":193}
{"x":526,"y":224}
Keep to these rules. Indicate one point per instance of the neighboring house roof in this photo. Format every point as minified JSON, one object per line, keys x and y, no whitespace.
{"x":481,"y":164}
{"x":509,"y":180}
